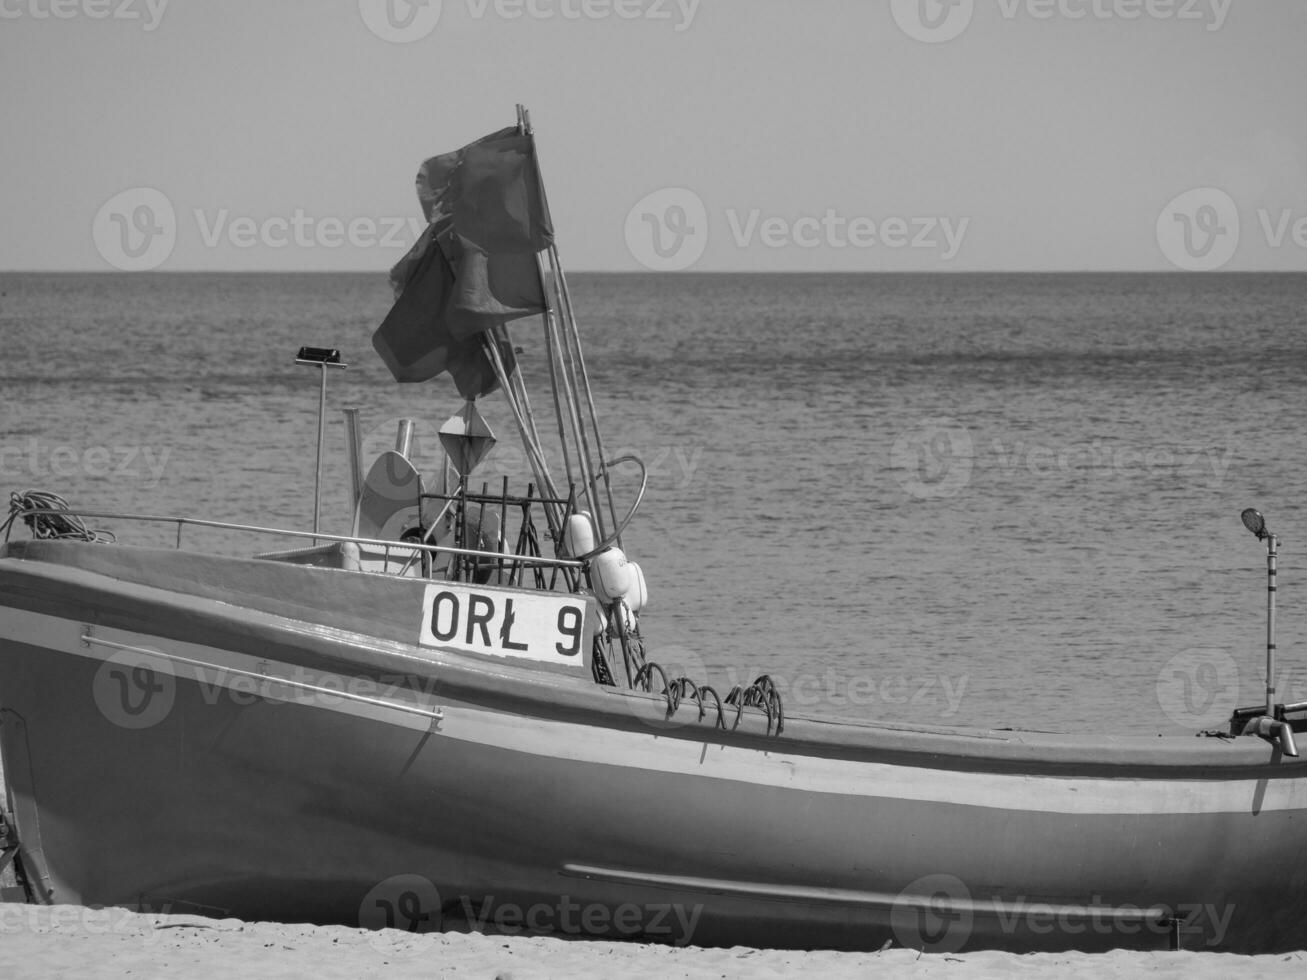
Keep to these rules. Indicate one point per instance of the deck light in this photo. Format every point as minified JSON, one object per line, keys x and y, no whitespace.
{"x":1253,"y":521}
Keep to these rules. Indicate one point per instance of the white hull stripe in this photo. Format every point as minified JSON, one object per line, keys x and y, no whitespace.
{"x":247,"y":679}
{"x":845,"y":897}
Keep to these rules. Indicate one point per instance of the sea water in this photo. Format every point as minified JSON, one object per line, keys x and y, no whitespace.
{"x":974,"y":500}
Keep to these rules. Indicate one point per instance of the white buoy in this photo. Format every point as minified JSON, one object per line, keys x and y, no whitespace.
{"x":579,"y":534}
{"x":611,"y":576}
{"x":638,"y":597}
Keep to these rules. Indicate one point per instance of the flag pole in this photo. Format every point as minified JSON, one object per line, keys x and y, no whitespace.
{"x":566,"y":343}
{"x":534,"y":454}
{"x":566,"y":297}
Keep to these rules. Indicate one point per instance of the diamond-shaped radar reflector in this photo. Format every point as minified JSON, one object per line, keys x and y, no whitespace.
{"x":466,"y":439}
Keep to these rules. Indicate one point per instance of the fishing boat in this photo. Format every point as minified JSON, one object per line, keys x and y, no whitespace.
{"x":448,"y":715}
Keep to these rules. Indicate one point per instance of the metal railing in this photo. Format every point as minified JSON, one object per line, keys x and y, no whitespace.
{"x":387,"y":545}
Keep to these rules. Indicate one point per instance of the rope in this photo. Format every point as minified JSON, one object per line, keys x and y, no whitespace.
{"x":46,"y":526}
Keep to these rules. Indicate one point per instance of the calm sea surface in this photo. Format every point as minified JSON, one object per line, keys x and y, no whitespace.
{"x":993,"y":500}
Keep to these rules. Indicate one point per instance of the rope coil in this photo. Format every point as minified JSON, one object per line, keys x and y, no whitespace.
{"x":45,"y":526}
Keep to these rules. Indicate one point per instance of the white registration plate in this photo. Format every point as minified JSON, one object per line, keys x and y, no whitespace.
{"x":543,"y":626}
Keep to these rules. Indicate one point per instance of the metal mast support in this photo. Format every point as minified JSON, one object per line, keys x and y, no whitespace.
{"x":1271,"y":555}
{"x":322,"y":357}
{"x":1268,"y":724}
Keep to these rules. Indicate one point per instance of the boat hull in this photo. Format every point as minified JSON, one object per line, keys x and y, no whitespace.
{"x":403,"y":785}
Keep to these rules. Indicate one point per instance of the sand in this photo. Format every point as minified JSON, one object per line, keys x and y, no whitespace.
{"x":64,"y":941}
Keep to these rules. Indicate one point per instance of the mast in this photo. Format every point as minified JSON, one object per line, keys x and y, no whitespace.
{"x":576,"y":418}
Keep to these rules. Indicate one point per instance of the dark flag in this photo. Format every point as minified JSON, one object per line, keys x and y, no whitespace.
{"x":473,"y":269}
{"x":425,"y":335}
{"x":491,"y":189}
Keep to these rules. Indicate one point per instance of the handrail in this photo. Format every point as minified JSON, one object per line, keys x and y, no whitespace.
{"x":432,"y":712}
{"x":256,"y":529}
{"x":639,"y":498}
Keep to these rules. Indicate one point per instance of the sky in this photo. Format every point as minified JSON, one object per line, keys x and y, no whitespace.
{"x":700,"y":135}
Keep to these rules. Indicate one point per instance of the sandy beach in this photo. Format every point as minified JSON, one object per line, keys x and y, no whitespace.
{"x":64,"y":941}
